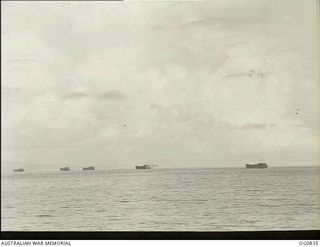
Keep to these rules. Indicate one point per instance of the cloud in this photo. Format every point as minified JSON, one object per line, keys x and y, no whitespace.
{"x":76,"y":95}
{"x":112,"y":95}
{"x":216,"y":81}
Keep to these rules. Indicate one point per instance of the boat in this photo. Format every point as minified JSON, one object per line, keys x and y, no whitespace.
{"x":257,"y":166}
{"x":19,"y":170}
{"x":64,"y":169}
{"x":148,"y":165}
{"x":89,"y":168}
{"x":143,"y":167}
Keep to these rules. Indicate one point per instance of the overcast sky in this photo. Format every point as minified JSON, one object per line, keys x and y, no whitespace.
{"x":184,"y":83}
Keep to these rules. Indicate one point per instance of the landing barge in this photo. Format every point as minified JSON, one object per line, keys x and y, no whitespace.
{"x":18,"y":170}
{"x":65,"y":169}
{"x":89,"y":168}
{"x":257,"y":166}
{"x":148,"y":165}
{"x":143,"y":167}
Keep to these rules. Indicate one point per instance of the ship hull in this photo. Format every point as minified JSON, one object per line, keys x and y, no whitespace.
{"x":257,"y":166}
{"x":143,"y":167}
{"x":88,"y":169}
{"x":65,"y":169}
{"x":18,"y":170}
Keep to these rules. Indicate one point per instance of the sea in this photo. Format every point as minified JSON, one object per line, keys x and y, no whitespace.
{"x":184,"y":199}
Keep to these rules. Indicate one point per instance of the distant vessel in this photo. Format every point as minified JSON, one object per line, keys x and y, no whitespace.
{"x":257,"y":166}
{"x":89,"y":168}
{"x":65,"y":169}
{"x":148,"y":165}
{"x":19,"y":170}
{"x":143,"y":167}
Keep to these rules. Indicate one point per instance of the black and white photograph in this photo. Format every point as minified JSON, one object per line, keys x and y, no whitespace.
{"x":160,"y":116}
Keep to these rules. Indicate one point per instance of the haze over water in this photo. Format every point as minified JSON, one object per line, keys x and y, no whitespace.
{"x":207,"y":199}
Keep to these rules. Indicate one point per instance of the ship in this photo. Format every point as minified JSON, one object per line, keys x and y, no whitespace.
{"x":89,"y":168}
{"x":65,"y":169}
{"x":257,"y":166}
{"x":143,"y":167}
{"x":148,"y":165}
{"x":19,"y":170}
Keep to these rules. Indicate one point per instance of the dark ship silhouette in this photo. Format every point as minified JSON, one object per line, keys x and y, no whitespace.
{"x":18,"y":170}
{"x":65,"y":169}
{"x":257,"y":166}
{"x":89,"y":168}
{"x":143,"y":167}
{"x":148,"y":165}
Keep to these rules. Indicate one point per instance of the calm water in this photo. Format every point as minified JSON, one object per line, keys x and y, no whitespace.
{"x":162,"y":199}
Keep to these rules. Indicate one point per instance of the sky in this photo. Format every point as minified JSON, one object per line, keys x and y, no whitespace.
{"x":180,"y":83}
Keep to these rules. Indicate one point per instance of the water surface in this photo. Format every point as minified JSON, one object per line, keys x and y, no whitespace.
{"x":215,"y":199}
